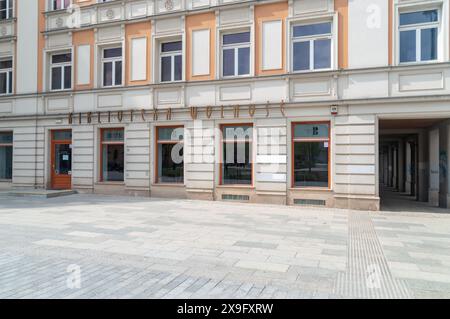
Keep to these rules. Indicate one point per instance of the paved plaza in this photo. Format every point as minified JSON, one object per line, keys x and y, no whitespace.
{"x":84,"y":246}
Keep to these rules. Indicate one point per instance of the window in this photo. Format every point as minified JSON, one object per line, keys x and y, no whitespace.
{"x":311,"y":47}
{"x":61,"y":71}
{"x":6,"y":155}
{"x":236,"y":54}
{"x":171,"y":61}
{"x":6,"y":77}
{"x":112,"y":67}
{"x":237,"y":164}
{"x":169,"y":155}
{"x":6,"y":9}
{"x":60,"y":4}
{"x":112,"y":155}
{"x":311,"y":149}
{"x":419,"y":36}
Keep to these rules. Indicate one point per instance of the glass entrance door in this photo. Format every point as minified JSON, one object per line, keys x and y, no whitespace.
{"x":61,"y":158}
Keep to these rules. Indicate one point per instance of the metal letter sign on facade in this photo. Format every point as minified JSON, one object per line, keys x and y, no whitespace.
{"x":129,"y":115}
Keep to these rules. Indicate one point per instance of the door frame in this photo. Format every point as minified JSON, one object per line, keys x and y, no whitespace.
{"x":53,"y":143}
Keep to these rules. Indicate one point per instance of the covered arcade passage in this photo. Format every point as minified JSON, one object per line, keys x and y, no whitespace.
{"x":413,"y":163}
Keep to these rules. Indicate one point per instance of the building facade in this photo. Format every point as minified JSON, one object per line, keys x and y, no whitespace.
{"x":299,"y":102}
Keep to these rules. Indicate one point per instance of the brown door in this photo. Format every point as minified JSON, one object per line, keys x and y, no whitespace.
{"x":61,"y":159}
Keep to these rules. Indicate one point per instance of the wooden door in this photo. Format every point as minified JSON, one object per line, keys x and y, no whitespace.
{"x":61,"y":159}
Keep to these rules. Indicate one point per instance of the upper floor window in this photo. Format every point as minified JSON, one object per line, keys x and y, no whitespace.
{"x":171,"y":61}
{"x":6,"y":9}
{"x":112,"y":67}
{"x":60,"y":4}
{"x":61,"y":71}
{"x":311,"y":46}
{"x":419,"y":36}
{"x":6,"y":76}
{"x":236,"y":54}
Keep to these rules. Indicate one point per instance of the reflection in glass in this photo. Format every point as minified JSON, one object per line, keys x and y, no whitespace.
{"x":408,"y":46}
{"x":6,"y":161}
{"x":63,"y":159}
{"x":322,"y":57}
{"x":170,"y":163}
{"x":237,"y":166}
{"x":113,"y":162}
{"x":244,"y":61}
{"x":311,"y":164}
{"x":429,"y":44}
{"x":301,"y":56}
{"x":228,"y":62}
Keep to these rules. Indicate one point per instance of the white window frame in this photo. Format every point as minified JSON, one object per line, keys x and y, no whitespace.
{"x":9,"y":75}
{"x":307,"y":20}
{"x":171,"y":54}
{"x":311,"y":39}
{"x":63,"y":71}
{"x":113,"y":61}
{"x":418,"y":27}
{"x":8,"y":10}
{"x":63,"y":7}
{"x":236,"y":47}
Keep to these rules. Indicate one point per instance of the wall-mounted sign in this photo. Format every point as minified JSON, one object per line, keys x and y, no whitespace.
{"x":144,"y":115}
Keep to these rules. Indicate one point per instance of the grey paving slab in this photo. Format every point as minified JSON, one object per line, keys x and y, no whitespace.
{"x":150,"y":248}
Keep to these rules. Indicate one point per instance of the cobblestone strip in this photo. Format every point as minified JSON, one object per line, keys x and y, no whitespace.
{"x":367,"y":274}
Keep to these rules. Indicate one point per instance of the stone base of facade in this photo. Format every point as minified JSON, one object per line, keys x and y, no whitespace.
{"x":357,"y":202}
{"x":311,"y":196}
{"x":109,"y":189}
{"x":198,"y":194}
{"x":168,"y":191}
{"x":5,"y":185}
{"x":433,"y":198}
{"x":271,"y":198}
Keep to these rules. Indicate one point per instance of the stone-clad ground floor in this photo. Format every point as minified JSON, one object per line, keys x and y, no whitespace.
{"x":114,"y":247}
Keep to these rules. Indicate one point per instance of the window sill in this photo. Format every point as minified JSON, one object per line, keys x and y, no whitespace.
{"x":168,"y":185}
{"x":418,"y":63}
{"x":313,"y":71}
{"x":236,"y":186}
{"x":311,"y":189}
{"x":111,"y":183}
{"x":112,"y":86}
{"x":61,"y":91}
{"x":5,"y":180}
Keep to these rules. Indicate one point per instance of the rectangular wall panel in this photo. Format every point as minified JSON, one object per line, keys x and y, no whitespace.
{"x":200,"y":52}
{"x":138,"y":59}
{"x":84,"y":64}
{"x":27,"y":47}
{"x":272,"y":33}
